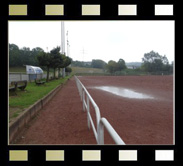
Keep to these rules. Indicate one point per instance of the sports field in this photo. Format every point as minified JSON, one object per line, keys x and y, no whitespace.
{"x":140,"y":108}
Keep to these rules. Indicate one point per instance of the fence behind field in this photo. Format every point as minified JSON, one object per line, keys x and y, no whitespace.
{"x":100,"y":122}
{"x":24,"y":76}
{"x":16,"y":76}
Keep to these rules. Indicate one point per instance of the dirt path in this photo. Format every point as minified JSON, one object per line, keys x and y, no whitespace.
{"x":62,"y":121}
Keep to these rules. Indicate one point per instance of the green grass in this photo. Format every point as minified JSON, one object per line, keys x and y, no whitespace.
{"x":18,"y":69}
{"x":16,"y":114}
{"x":32,"y":93}
{"x":76,"y":70}
{"x":23,"y":99}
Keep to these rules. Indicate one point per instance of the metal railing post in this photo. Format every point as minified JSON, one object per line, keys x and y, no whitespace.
{"x":88,"y":111}
{"x":100,"y":134}
{"x":114,"y":135}
{"x":80,"y":91}
{"x":83,"y":100}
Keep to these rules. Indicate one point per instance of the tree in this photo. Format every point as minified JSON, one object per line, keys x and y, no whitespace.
{"x":97,"y":63}
{"x":168,"y":68}
{"x":44,"y":59}
{"x":61,"y":64}
{"x":80,"y":64}
{"x":56,"y":58}
{"x":68,"y":69}
{"x":66,"y":61}
{"x":153,"y":62}
{"x":34,"y":53}
{"x":14,"y":55}
{"x":121,"y":65}
{"x":112,"y":66}
{"x":23,"y":56}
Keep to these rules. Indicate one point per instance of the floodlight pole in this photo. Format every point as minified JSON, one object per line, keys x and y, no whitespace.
{"x":62,"y":37}
{"x":63,"y":43}
{"x":83,"y":52}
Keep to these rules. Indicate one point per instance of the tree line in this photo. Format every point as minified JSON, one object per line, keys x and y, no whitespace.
{"x":111,"y":66}
{"x":152,"y":62}
{"x":37,"y":57}
{"x":24,"y":56}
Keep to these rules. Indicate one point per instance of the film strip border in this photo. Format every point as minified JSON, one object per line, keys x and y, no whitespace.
{"x":96,"y":9}
{"x":88,"y":155}
{"x":90,"y":10}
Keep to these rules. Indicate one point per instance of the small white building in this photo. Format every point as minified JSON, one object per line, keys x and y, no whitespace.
{"x":34,"y":72}
{"x":132,"y":67}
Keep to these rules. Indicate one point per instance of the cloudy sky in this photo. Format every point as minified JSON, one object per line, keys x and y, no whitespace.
{"x":106,"y":40}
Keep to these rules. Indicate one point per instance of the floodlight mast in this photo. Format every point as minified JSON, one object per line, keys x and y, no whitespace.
{"x":63,"y":44}
{"x":62,"y":38}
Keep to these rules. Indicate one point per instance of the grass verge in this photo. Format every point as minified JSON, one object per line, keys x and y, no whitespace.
{"x":23,"y":99}
{"x":76,"y":70}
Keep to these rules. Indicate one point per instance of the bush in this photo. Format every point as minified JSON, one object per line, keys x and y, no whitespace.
{"x":68,"y":69}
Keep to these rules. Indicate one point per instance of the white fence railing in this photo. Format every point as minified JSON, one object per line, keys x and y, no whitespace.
{"x":100,"y":122}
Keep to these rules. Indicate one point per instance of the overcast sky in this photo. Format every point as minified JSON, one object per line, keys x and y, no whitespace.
{"x":106,"y":40}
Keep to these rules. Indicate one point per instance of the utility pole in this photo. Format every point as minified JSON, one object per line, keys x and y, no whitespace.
{"x":83,"y":52}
